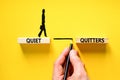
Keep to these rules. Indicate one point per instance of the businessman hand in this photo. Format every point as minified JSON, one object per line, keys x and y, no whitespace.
{"x":76,"y":68}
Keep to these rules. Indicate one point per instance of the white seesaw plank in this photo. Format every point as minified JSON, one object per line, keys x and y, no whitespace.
{"x":92,"y":40}
{"x":33,"y":40}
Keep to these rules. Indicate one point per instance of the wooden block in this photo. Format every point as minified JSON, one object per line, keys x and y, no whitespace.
{"x":92,"y":40}
{"x":33,"y":40}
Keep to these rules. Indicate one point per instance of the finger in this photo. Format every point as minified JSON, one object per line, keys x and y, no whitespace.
{"x":62,"y":57}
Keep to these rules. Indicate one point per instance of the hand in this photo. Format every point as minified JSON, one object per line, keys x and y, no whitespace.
{"x":76,"y":68}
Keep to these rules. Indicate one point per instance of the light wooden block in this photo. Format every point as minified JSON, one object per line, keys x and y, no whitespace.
{"x":33,"y":40}
{"x":92,"y":40}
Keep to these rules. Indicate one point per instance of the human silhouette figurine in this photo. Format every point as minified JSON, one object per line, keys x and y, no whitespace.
{"x":42,"y":27}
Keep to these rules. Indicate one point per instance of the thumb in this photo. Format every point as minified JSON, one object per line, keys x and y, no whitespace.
{"x":75,"y":60}
{"x":78,"y":67}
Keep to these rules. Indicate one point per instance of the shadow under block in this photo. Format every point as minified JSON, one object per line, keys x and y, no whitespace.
{"x":35,"y":48}
{"x":33,"y":40}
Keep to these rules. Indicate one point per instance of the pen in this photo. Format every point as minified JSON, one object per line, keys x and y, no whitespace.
{"x":67,"y":63}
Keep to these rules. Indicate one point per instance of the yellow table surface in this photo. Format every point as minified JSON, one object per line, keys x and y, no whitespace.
{"x":64,"y":18}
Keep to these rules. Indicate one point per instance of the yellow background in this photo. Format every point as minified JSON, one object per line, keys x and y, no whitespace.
{"x":64,"y":18}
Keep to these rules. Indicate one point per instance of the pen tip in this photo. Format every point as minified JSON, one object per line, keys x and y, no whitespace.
{"x":71,"y":45}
